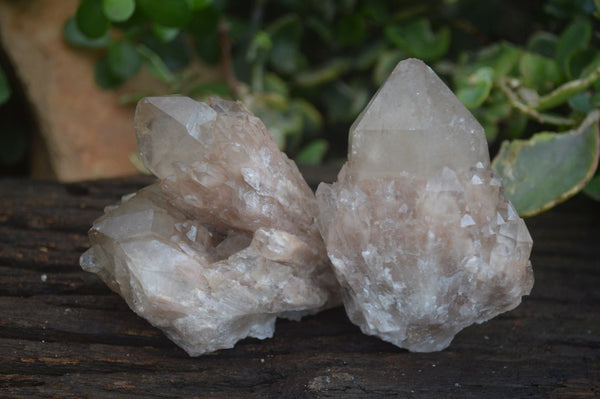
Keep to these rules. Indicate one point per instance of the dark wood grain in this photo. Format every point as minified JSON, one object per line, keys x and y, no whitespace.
{"x":63,"y":334}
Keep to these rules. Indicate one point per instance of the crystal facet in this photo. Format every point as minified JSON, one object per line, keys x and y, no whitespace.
{"x":422,"y":240}
{"x":415,"y":124}
{"x":225,"y":242}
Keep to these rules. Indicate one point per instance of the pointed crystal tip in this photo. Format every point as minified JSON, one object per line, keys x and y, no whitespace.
{"x":415,"y":124}
{"x":170,"y":129}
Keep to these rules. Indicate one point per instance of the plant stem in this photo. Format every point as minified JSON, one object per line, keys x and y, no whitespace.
{"x":530,"y":111}
{"x":226,"y":59}
{"x":566,"y":91}
{"x":591,"y":118}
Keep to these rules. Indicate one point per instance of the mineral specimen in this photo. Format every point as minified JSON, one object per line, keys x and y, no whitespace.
{"x":422,"y":240}
{"x":225,"y":242}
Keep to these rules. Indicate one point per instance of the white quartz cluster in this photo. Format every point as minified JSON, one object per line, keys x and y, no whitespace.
{"x":225,"y":242}
{"x":422,"y":240}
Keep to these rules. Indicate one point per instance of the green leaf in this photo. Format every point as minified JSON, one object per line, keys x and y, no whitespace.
{"x":592,"y":189}
{"x":285,"y":56}
{"x":118,"y":10}
{"x":164,"y":34}
{"x":328,"y":72}
{"x":377,"y":11}
{"x":204,"y":21}
{"x":171,"y":13}
{"x":123,"y":59}
{"x":351,"y":30}
{"x":418,"y":39}
{"x":501,"y":57}
{"x":311,"y":117}
{"x":196,"y":5}
{"x":274,"y":84}
{"x":205,"y":90}
{"x":321,"y":29}
{"x":477,"y":89}
{"x":581,"y":102}
{"x":5,"y":90}
{"x":313,"y":153}
{"x":104,"y":77}
{"x":563,"y":93}
{"x":369,"y":55}
{"x":286,"y":28}
{"x":498,"y":107}
{"x":575,"y":37}
{"x":548,"y":168}
{"x":76,"y":38}
{"x":91,"y":20}
{"x":591,"y":67}
{"x":156,"y":64}
{"x":595,"y":100}
{"x":175,"y":54}
{"x":260,"y":44}
{"x":539,"y":72}
{"x":580,"y":61}
{"x":543,"y":43}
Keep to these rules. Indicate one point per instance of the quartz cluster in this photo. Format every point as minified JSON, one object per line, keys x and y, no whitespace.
{"x":225,"y":241}
{"x":421,"y":237}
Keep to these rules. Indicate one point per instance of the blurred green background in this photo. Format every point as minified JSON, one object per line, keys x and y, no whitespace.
{"x":528,"y":70}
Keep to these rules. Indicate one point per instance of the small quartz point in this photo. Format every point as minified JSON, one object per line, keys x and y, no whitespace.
{"x":225,"y":241}
{"x":422,"y":240}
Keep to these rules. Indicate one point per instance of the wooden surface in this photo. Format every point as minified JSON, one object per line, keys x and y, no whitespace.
{"x":64,"y":334}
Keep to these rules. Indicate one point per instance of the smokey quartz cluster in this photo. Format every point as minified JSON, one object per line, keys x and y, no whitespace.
{"x":421,"y":237}
{"x":225,"y":241}
{"x":416,"y":234}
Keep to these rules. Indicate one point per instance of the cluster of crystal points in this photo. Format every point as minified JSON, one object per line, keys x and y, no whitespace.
{"x":422,"y":240}
{"x":225,"y":242}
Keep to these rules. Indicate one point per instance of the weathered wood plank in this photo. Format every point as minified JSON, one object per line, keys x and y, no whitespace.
{"x":64,"y":334}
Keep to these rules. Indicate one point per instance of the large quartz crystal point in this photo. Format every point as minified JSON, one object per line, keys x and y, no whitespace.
{"x":421,"y":237}
{"x":225,"y":242}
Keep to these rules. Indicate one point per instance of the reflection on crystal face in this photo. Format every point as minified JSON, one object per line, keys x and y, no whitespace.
{"x":421,"y":238}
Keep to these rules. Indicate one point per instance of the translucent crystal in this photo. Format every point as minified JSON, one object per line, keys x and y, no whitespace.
{"x":170,"y":129}
{"x":422,"y":240}
{"x":225,"y":242}
{"x":414,"y":106}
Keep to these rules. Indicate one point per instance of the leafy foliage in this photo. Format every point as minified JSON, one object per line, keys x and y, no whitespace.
{"x":91,"y":19}
{"x":551,"y":82}
{"x":308,"y":67}
{"x":118,"y":10}
{"x":549,"y":167}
